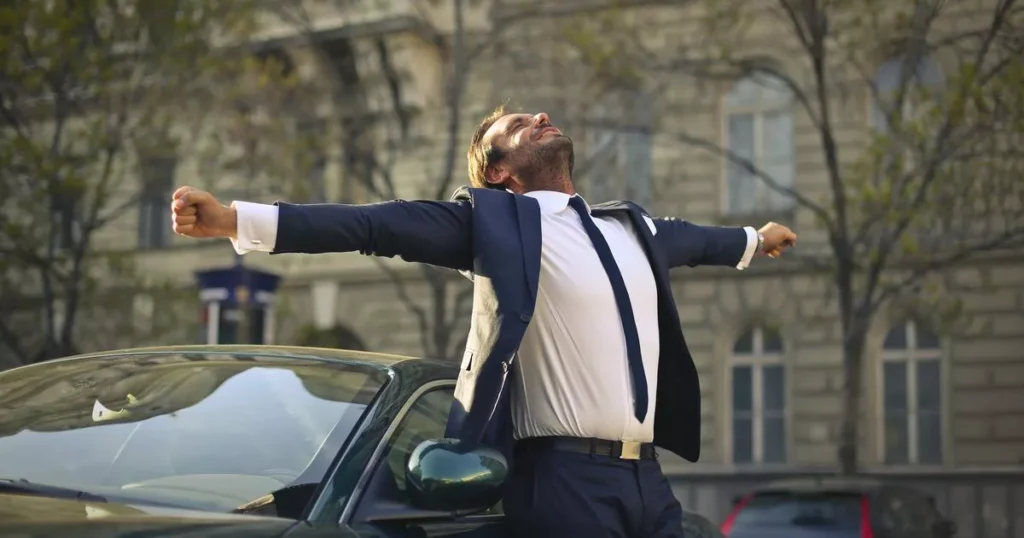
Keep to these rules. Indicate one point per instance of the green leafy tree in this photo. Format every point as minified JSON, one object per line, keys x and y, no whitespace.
{"x":87,"y":88}
{"x":935,"y":180}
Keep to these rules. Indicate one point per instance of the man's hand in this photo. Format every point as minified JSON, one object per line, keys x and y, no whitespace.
{"x":776,"y":239}
{"x":195,"y":213}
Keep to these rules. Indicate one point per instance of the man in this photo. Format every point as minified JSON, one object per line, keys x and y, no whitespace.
{"x":575,"y":351}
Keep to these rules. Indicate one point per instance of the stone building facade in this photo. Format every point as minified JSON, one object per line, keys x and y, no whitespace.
{"x":766,"y":340}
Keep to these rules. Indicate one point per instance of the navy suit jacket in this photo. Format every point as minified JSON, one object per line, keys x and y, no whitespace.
{"x":496,"y":236}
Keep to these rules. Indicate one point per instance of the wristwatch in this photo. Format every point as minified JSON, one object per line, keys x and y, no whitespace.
{"x":760,"y":242}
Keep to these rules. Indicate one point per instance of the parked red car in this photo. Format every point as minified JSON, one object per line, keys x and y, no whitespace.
{"x":836,"y":508}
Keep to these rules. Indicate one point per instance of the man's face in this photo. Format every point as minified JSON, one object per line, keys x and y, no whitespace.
{"x":531,"y":147}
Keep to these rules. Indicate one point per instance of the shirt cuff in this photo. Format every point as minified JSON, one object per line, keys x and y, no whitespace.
{"x":257,"y":227}
{"x":751,"y":248}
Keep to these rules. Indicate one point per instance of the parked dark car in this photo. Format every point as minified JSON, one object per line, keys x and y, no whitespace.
{"x":242,"y":441}
{"x":836,"y":508}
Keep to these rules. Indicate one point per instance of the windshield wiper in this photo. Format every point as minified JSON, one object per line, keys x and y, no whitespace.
{"x":25,"y":487}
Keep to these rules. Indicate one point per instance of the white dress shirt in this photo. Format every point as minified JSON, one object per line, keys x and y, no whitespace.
{"x":573,"y":374}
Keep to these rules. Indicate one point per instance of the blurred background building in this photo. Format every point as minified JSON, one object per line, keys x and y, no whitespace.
{"x":872,"y":130}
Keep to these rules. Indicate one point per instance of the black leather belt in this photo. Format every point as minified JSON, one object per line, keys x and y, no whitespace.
{"x":623,"y":450}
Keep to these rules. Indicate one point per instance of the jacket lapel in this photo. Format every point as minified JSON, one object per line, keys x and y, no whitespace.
{"x":528,"y":211}
{"x":643,"y":231}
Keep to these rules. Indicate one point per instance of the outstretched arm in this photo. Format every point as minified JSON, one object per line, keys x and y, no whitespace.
{"x":437,"y":233}
{"x":685,"y":243}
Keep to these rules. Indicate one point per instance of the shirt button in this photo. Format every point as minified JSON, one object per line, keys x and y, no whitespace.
{"x":256,"y":241}
{"x":525,"y":318}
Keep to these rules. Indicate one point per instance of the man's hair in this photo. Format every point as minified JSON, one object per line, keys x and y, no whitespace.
{"x":482,"y":155}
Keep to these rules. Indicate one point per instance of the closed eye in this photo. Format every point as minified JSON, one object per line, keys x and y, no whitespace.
{"x":515,"y":125}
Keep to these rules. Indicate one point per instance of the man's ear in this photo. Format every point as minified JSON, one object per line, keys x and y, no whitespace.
{"x":496,"y":175}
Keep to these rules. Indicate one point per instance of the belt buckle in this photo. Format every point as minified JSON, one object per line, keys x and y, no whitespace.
{"x":630,"y":450}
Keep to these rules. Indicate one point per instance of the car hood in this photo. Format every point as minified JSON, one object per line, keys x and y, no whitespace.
{"x":30,"y":515}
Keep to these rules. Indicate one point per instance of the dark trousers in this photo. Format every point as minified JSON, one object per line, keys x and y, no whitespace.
{"x":559,"y":494}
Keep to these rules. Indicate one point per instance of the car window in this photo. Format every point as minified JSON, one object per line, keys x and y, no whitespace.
{"x":425,"y":420}
{"x":839,"y":511}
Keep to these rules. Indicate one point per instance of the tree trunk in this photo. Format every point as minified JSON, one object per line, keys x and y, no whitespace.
{"x":854,"y":338}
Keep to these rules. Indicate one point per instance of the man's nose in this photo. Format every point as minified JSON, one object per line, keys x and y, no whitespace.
{"x":542,"y":119}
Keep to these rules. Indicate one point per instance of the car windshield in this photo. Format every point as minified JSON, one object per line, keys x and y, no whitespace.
{"x":209,"y":432}
{"x":837,"y":511}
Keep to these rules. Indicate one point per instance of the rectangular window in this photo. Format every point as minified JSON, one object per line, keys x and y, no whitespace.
{"x":766,"y":140}
{"x":157,"y":185}
{"x":742,"y":184}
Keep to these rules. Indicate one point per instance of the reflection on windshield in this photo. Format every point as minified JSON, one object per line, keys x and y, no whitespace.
{"x":211,"y":434}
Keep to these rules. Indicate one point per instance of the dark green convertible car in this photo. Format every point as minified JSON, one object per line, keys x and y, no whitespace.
{"x":225,"y":441}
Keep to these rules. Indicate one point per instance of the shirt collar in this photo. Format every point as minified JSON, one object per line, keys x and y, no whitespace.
{"x":553,"y":201}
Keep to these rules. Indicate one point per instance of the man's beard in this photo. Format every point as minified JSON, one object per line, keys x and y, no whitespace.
{"x":547,"y":163}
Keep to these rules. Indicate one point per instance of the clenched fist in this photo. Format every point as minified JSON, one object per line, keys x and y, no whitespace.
{"x":776,"y":239}
{"x":195,"y":213}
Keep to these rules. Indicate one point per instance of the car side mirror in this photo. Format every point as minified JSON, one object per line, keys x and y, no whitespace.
{"x":450,"y":475}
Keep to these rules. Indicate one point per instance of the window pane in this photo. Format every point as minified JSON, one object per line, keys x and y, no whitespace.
{"x":744,"y":93}
{"x":742,"y":440}
{"x":777,"y":136}
{"x":896,"y":440}
{"x":774,"y":440}
{"x":894,"y":379}
{"x":771,"y":341}
{"x":426,"y":420}
{"x":774,"y":379}
{"x":897,"y":337}
{"x":926,"y":339}
{"x":317,"y":188}
{"x":742,"y":383}
{"x":637,"y":168}
{"x":929,"y":438}
{"x":744,"y":344}
{"x":602,"y":157}
{"x":741,"y":183}
{"x":929,"y":395}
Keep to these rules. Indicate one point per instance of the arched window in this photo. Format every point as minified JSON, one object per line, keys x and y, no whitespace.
{"x":912,"y":395}
{"x":890,"y":78}
{"x":758,"y":428}
{"x":759,"y":128}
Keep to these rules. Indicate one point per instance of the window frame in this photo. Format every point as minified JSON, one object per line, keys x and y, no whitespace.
{"x":758,"y":110}
{"x":757,"y":359}
{"x":910,"y":356}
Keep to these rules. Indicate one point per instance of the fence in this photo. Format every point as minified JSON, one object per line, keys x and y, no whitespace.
{"x":983,"y":503}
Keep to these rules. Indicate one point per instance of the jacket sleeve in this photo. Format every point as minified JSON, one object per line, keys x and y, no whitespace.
{"x":436,"y":233}
{"x":689,"y":244}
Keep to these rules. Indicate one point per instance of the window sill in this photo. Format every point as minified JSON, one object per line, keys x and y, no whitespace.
{"x":757,"y":218}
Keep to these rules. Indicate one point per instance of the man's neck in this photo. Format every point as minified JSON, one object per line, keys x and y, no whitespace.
{"x":556,"y":182}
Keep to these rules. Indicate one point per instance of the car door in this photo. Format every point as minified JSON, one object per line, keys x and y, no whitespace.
{"x":383,"y":509}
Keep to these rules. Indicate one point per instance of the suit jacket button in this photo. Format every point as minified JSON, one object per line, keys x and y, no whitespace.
{"x":525,"y":318}
{"x":504,"y":367}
